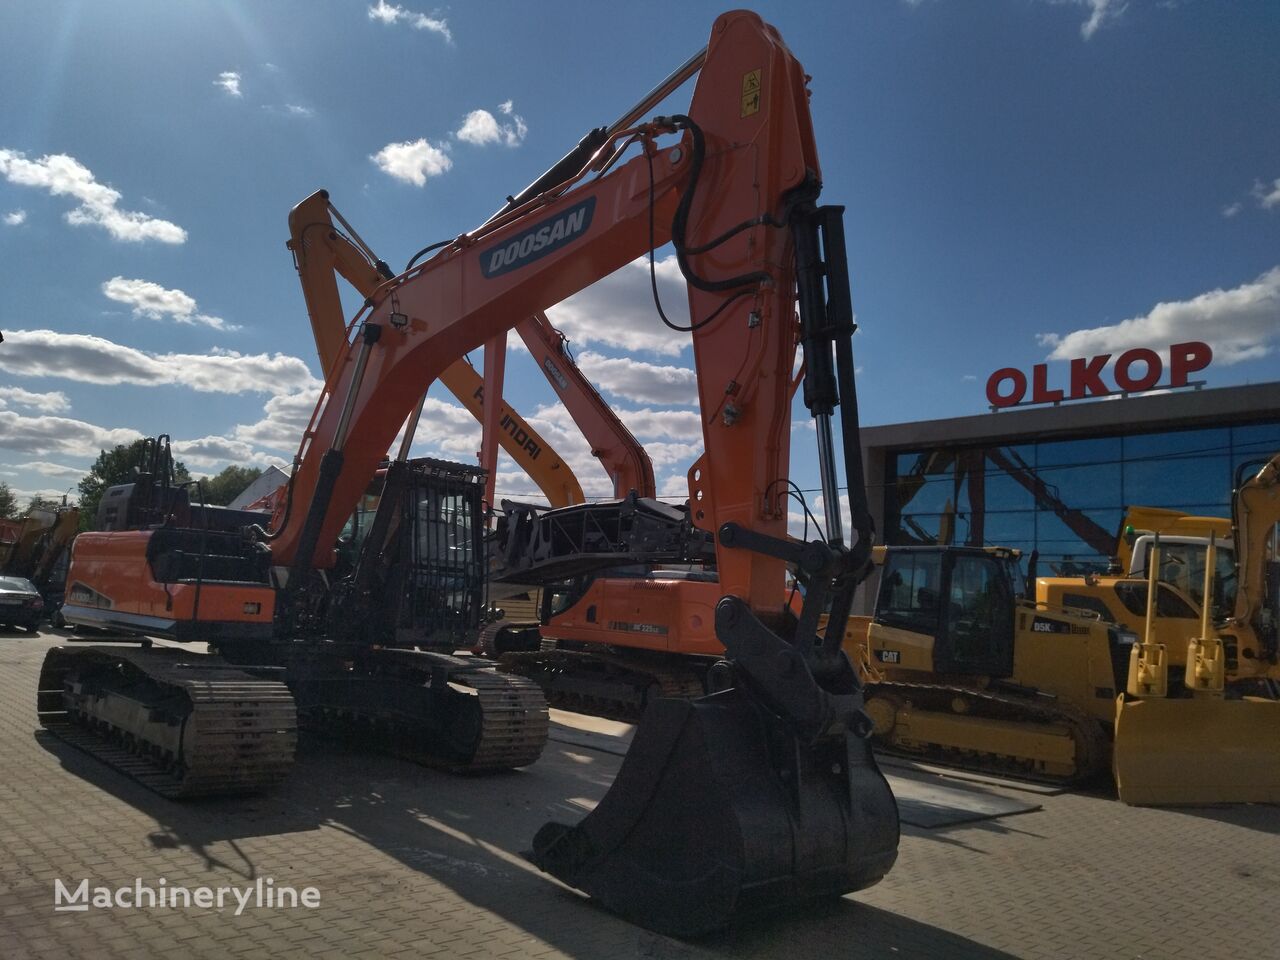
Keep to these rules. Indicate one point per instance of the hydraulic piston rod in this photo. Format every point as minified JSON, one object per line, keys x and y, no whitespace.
{"x":830,"y":482}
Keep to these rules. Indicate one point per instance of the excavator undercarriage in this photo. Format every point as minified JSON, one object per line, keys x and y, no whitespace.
{"x":183,"y":724}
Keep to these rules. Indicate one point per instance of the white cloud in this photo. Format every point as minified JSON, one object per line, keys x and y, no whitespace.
{"x":88,"y":359}
{"x":665,"y":455}
{"x":54,"y":402}
{"x":449,"y":430}
{"x":1268,"y":196}
{"x":1100,"y":12}
{"x":299,"y":111}
{"x":507,"y":106}
{"x":1239,"y":324}
{"x":62,"y":175}
{"x":412,"y":161}
{"x":16,"y":218}
{"x":285,"y":416}
{"x":480,"y":127}
{"x":212,"y":451}
{"x":229,"y":80}
{"x":48,"y":494}
{"x":618,"y":310}
{"x":647,"y":423}
{"x":390,"y":13}
{"x":154,"y":302}
{"x":59,"y":436}
{"x":47,"y":469}
{"x":675,"y":487}
{"x":1231,"y":209}
{"x":640,"y":381}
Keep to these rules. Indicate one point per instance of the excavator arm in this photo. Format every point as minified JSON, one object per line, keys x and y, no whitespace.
{"x":622,"y":456}
{"x":1255,"y":513}
{"x":322,"y":253}
{"x":765,"y":792}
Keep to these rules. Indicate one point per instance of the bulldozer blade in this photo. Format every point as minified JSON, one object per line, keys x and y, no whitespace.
{"x":1189,"y":752}
{"x":719,"y":812}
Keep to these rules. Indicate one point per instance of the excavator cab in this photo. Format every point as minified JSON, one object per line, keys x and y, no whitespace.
{"x":417,"y":577}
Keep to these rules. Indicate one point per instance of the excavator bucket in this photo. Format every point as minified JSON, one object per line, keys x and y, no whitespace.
{"x":1188,"y":752}
{"x":720,"y":812}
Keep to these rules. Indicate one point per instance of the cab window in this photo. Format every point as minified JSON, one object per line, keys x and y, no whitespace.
{"x":975,"y":597}
{"x":910,"y":591}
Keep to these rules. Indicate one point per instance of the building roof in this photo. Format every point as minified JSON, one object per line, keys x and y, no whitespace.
{"x":1143,"y":413}
{"x":271,"y":479}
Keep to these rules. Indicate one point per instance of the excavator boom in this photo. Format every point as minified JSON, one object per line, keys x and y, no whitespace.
{"x":621,"y":455}
{"x":321,"y":254}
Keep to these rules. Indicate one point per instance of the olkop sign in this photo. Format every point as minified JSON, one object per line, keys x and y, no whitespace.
{"x":1135,"y":371}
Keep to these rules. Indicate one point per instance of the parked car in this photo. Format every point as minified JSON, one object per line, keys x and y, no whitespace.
{"x":20,"y":603}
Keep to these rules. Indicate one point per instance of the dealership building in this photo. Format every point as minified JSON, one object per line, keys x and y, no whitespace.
{"x":1056,"y":478}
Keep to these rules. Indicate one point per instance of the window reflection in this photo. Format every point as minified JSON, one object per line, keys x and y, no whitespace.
{"x":1064,"y":499}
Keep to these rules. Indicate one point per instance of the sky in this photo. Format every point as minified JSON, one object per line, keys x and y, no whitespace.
{"x":1025,"y":181}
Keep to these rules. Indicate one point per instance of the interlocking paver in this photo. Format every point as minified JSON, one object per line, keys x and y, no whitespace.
{"x":411,"y":862}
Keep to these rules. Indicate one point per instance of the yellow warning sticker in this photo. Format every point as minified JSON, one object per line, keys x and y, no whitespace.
{"x":750,"y":93}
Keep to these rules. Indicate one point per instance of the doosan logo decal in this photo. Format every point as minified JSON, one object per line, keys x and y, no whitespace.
{"x":539,"y":240}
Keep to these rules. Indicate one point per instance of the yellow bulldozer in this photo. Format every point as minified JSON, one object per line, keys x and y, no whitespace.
{"x":968,"y":668}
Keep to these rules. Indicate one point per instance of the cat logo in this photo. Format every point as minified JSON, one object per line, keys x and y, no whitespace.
{"x":889,"y":656}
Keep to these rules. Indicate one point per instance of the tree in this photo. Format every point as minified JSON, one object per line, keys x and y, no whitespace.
{"x":114,"y":466}
{"x":8,"y":502}
{"x":227,"y":485}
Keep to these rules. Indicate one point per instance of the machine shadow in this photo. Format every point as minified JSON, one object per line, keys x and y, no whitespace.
{"x":1263,"y":817}
{"x":854,"y":930}
{"x":468,"y":834}
{"x":194,"y":825}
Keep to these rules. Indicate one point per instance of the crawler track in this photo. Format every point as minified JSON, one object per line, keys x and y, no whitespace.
{"x":612,"y":684}
{"x":454,"y":713}
{"x":1091,"y":747}
{"x":182,"y":724}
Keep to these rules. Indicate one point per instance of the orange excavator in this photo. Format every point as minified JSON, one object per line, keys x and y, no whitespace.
{"x":757,"y":796}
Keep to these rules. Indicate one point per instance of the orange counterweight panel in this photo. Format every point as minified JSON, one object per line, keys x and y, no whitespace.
{"x":111,"y":583}
{"x":673,"y":616}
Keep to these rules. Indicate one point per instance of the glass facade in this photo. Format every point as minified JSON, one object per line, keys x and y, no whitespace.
{"x":1064,"y":499}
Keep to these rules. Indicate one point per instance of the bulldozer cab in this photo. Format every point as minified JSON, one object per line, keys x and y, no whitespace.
{"x":963,"y":598}
{"x":1182,"y":561}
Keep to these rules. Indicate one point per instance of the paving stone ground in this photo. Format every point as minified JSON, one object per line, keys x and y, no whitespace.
{"x":410,"y":862}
